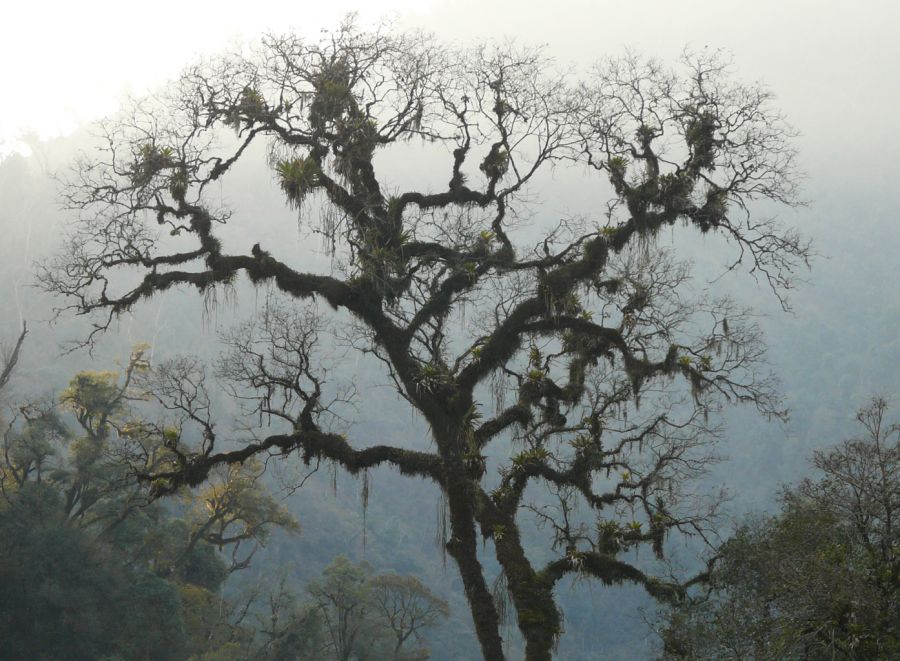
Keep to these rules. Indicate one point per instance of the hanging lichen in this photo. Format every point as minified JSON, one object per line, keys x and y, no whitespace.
{"x":442,"y":531}
{"x":364,"y":497}
{"x":502,"y":598}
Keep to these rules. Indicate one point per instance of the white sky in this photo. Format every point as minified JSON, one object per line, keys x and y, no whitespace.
{"x":833,"y":65}
{"x":64,"y":63}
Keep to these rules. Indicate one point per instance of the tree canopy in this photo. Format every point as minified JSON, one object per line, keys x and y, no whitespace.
{"x":582,"y":346}
{"x":89,"y":567}
{"x":819,"y":580}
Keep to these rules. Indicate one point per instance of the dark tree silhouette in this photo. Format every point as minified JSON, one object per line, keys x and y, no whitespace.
{"x":571,"y":332}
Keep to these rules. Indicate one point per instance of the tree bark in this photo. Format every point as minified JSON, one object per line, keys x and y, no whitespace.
{"x":463,"y":548}
{"x":531,"y":594}
{"x":463,"y":543}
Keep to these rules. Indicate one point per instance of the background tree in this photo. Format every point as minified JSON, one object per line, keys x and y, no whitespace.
{"x":291,"y":631}
{"x":342,"y":599}
{"x":371,"y":616}
{"x":821,"y":579}
{"x":89,"y":567}
{"x":575,"y":329}
{"x":408,"y":607}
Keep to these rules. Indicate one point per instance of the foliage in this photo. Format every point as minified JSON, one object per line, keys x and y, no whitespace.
{"x":408,"y":607}
{"x":89,"y":566}
{"x":373,"y":617}
{"x":820,"y":580}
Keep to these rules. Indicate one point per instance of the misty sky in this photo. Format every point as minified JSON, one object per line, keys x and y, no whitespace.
{"x":833,"y":65}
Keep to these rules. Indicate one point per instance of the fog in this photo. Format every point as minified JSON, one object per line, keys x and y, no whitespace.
{"x":831,"y":67}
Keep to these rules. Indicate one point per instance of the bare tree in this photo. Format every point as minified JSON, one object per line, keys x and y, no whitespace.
{"x":573,"y":333}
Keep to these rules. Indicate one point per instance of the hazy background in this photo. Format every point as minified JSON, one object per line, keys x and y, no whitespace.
{"x":833,"y":64}
{"x":833,"y":69}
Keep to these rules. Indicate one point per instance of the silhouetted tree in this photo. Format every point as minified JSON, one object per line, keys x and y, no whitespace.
{"x":569,"y":333}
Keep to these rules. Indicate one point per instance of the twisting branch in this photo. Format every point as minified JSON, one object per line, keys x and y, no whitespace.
{"x":11,"y":358}
{"x":192,"y":470}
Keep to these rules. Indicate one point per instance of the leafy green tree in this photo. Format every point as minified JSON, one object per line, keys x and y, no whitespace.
{"x":820,"y":580}
{"x":291,"y":631}
{"x":373,"y":617}
{"x":342,"y":597}
{"x":407,"y":606}
{"x":587,"y":350}
{"x":89,"y":567}
{"x":55,"y":590}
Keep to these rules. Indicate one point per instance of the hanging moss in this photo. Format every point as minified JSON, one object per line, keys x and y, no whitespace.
{"x":332,"y":97}
{"x":496,"y":163}
{"x":699,"y":133}
{"x":178,"y":184}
